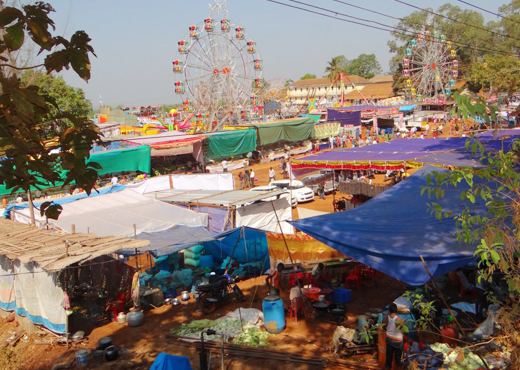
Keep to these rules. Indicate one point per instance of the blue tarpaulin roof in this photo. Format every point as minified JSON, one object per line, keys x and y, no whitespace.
{"x":407,"y":108}
{"x":391,"y":231}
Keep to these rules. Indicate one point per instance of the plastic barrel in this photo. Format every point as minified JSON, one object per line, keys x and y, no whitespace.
{"x":81,"y":358}
{"x":206,"y":260}
{"x":274,"y":316}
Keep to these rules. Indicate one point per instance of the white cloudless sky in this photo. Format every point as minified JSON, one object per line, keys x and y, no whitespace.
{"x":136,"y":41}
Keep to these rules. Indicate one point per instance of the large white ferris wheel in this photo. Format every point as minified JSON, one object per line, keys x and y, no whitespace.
{"x":218,"y":69}
{"x":430,"y":67}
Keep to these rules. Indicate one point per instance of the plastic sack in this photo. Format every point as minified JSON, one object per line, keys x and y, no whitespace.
{"x":196,"y":249}
{"x":163,"y":274}
{"x":486,"y":328}
{"x":191,"y":262}
{"x":192,"y":255}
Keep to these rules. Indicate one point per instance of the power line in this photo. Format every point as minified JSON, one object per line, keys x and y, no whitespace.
{"x":392,"y":29}
{"x":488,"y":11}
{"x":368,"y":10}
{"x":455,"y":20}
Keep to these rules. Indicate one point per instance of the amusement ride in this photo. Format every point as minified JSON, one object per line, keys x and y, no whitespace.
{"x":430,"y":67}
{"x":218,"y":71}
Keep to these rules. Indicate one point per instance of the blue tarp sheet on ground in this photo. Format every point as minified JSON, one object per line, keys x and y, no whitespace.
{"x":391,"y":231}
{"x":72,"y":198}
{"x":172,"y":240}
{"x":251,"y":247}
{"x":170,"y":362}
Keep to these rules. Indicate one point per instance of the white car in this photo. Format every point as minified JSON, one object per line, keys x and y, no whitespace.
{"x":299,"y":190}
{"x":271,"y":188}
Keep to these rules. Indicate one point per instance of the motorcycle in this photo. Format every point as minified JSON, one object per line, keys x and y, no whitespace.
{"x":219,"y":289}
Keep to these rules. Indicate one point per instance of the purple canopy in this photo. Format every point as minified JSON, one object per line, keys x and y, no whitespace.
{"x":345,"y":118}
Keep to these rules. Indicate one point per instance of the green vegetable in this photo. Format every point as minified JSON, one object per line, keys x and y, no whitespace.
{"x":252,"y":337}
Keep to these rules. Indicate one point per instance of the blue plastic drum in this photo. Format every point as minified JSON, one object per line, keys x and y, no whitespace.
{"x":274,"y":316}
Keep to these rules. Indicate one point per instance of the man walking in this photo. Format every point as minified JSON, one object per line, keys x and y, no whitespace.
{"x":224,"y":165}
{"x":252,"y":178}
{"x":321,"y":190}
{"x":272,"y":174}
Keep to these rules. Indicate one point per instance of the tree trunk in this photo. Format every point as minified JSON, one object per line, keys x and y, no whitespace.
{"x":31,"y":207}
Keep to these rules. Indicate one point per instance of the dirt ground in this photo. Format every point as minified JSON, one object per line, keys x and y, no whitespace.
{"x":139,"y":346}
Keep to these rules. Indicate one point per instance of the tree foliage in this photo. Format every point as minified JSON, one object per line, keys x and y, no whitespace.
{"x":334,"y":68}
{"x":365,"y":65}
{"x":496,"y":73}
{"x":307,"y":76}
{"x":496,"y":187}
{"x":25,"y":109}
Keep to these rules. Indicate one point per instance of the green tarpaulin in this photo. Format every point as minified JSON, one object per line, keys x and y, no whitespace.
{"x":233,"y":142}
{"x":121,"y":160}
{"x":124,"y":160}
{"x":293,"y":130}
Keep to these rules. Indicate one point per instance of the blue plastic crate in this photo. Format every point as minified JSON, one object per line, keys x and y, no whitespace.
{"x":341,"y":295}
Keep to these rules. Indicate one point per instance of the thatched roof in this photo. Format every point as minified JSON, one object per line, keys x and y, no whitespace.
{"x":54,"y":250}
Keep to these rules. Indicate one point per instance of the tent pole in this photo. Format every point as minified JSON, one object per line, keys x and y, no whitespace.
{"x":234,"y":248}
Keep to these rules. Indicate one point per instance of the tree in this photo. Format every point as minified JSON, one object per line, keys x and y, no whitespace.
{"x":25,"y":110}
{"x":365,"y":65}
{"x":334,"y":68}
{"x":66,"y":97}
{"x":307,"y":76}
{"x":496,"y":73}
{"x":496,"y":187}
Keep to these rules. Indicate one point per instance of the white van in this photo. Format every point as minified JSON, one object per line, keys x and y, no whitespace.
{"x":299,"y":190}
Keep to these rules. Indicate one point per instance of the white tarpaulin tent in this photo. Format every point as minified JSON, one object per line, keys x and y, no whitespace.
{"x":222,"y":181}
{"x":261,"y":215}
{"x":306,"y":213}
{"x":116,"y":214}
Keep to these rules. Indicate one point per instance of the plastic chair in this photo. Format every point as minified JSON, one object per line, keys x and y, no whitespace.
{"x":354,"y":277}
{"x":297,"y":305}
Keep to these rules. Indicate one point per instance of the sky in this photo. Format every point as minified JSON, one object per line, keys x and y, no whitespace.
{"x":136,"y":41}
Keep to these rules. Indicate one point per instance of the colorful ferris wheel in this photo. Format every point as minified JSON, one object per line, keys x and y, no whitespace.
{"x":430,"y":67}
{"x":219,"y":68}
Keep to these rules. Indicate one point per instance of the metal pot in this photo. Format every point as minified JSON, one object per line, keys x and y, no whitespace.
{"x":78,"y":336}
{"x":134,"y":318}
{"x":185,"y":296}
{"x":176,"y":301}
{"x":111,"y":353}
{"x":105,"y":342}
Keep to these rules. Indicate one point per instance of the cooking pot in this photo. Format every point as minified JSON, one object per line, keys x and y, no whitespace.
{"x":176,"y":301}
{"x":185,"y":296}
{"x":78,"y":336}
{"x":134,"y":318}
{"x":111,"y":353}
{"x":105,"y":342}
{"x":121,"y":318}
{"x":321,"y":306}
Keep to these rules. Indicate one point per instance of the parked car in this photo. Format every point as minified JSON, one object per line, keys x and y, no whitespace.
{"x":271,"y":188}
{"x":313,"y":180}
{"x":299,"y":190}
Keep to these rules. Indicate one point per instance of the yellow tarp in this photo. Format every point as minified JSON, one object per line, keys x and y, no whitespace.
{"x":303,"y":248}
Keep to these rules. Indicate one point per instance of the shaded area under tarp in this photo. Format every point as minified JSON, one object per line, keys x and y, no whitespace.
{"x":251,"y":247}
{"x":293,"y":130}
{"x":230,"y":143}
{"x":345,"y":118}
{"x":391,"y":231}
{"x":172,"y":240}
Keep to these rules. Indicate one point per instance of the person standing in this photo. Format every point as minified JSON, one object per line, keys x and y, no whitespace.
{"x":241,"y":178}
{"x":331,"y":141}
{"x":394,"y":338}
{"x":114,"y":180}
{"x":273,"y":280}
{"x":272,"y":174}
{"x":321,"y":190}
{"x":246,"y":177}
{"x":224,"y":165}
{"x":284,"y":168}
{"x":252,"y":178}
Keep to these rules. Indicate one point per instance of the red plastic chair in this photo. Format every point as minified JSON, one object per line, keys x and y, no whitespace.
{"x":297,"y":305}
{"x":354,"y":277}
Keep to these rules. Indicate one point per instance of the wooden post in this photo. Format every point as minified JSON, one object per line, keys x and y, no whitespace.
{"x":73,"y":229}
{"x":171,"y":181}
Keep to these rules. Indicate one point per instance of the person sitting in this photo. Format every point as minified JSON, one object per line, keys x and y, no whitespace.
{"x":318,"y":275}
